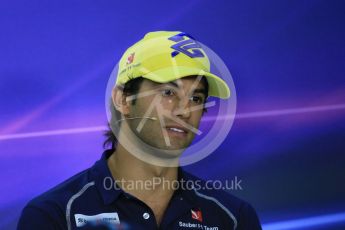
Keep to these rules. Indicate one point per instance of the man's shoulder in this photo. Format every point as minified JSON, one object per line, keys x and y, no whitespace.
{"x":61,"y":193}
{"x":214,"y":194}
{"x":50,"y":207}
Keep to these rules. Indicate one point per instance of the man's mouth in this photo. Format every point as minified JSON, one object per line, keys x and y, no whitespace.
{"x":176,"y":130}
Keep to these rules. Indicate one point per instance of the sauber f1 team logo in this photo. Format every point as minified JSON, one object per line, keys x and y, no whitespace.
{"x":187,"y":45}
{"x":196,"y":215}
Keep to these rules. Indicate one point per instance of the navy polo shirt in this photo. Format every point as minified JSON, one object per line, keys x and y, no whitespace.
{"x":86,"y":201}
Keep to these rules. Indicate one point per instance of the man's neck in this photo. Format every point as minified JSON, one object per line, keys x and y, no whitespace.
{"x":128,"y":168}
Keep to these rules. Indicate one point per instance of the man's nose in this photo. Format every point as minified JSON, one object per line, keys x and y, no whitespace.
{"x":182,"y":108}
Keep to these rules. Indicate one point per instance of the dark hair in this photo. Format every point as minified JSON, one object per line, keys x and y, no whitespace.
{"x":130,"y":88}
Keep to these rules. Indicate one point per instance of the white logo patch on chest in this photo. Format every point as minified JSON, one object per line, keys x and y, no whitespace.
{"x":102,"y":218}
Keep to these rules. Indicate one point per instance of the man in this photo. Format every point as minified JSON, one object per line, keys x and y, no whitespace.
{"x":161,"y":92}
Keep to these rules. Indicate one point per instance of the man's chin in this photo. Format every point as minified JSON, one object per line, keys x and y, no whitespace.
{"x":168,"y":152}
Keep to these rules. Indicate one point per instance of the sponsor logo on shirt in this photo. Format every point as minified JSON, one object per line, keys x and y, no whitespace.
{"x":102,"y":218}
{"x":196,"y":226}
{"x":196,"y":215}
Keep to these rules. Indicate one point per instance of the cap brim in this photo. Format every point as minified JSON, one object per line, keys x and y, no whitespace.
{"x":217,"y":86}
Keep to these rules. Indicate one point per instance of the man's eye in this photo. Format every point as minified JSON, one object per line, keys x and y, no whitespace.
{"x":168,"y":92}
{"x":196,"y":99}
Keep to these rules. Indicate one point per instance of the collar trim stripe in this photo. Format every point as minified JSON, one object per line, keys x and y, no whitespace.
{"x":71,"y":200}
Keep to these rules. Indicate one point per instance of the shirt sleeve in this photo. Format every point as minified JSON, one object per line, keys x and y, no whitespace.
{"x":248,"y":219}
{"x":35,"y":218}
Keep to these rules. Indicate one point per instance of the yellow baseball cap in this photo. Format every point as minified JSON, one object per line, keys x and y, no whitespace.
{"x":165,"y":56}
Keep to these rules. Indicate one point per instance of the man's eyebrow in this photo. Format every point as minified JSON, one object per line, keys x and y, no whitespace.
{"x":173,"y":83}
{"x":203,"y":91}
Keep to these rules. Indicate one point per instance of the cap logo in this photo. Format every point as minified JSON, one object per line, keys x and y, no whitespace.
{"x":187,"y":46}
{"x":130,"y":59}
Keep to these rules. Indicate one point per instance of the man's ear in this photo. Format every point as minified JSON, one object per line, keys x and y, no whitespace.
{"x":119,"y":101}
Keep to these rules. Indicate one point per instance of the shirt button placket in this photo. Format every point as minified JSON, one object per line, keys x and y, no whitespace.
{"x":149,"y":220}
{"x":146,"y":215}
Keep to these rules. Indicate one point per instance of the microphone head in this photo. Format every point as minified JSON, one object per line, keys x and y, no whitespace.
{"x":132,"y":118}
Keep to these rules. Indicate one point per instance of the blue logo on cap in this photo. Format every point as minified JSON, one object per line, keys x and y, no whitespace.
{"x":188,"y":46}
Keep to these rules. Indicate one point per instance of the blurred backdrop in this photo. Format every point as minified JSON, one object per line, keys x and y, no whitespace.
{"x":287,"y":59}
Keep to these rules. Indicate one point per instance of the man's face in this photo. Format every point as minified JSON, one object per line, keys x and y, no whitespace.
{"x":177,"y":108}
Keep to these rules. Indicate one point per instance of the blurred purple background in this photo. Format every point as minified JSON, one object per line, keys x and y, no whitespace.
{"x":287,"y":59}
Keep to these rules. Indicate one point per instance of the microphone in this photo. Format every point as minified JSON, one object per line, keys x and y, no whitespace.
{"x":132,"y":118}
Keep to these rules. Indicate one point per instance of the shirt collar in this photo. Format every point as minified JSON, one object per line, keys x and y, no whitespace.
{"x":104,"y":181}
{"x":110,"y":191}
